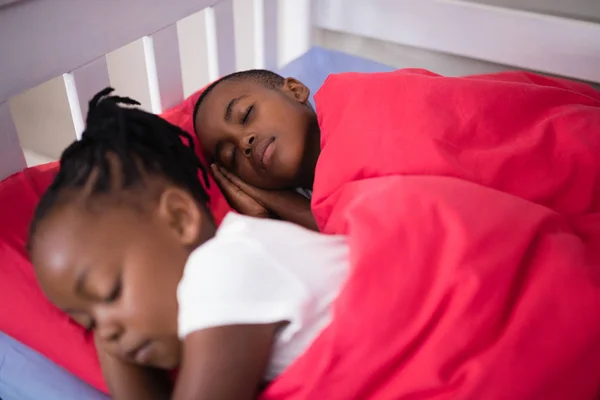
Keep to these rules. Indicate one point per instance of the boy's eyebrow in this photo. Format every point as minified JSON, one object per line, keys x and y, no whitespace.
{"x":229,"y":108}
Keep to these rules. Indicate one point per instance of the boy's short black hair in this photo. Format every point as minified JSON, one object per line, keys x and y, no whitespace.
{"x":265,"y":77}
{"x":143,"y":144}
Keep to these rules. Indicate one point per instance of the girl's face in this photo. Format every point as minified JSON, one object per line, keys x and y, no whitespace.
{"x":116,"y":271}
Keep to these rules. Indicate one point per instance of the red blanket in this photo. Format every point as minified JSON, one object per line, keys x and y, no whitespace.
{"x":472,"y":209}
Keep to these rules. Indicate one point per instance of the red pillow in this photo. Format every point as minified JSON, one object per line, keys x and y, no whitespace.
{"x":26,"y":314}
{"x":182,"y":116}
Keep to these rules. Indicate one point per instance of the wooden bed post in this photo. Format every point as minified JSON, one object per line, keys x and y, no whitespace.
{"x":255,"y":26}
{"x":163,"y":67}
{"x":269,"y":31}
{"x":294,"y":29}
{"x":220,"y":37}
{"x":81,"y":85}
{"x":11,"y":155}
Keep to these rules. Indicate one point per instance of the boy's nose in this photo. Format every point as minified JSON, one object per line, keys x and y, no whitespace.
{"x":247,"y":143}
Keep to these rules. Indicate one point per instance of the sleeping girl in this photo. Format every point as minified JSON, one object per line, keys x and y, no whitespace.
{"x":123,"y":242}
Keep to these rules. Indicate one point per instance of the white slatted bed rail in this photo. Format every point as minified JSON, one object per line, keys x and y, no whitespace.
{"x":79,"y":42}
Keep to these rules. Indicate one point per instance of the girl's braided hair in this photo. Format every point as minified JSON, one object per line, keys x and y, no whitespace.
{"x":143,"y":143}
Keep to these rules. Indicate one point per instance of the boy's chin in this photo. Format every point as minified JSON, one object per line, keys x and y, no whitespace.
{"x":287,"y":168}
{"x":280,"y":176}
{"x":282,"y":182}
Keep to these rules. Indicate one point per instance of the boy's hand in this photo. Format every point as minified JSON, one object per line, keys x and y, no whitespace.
{"x":238,"y":199}
{"x":237,"y":188}
{"x":286,"y":204}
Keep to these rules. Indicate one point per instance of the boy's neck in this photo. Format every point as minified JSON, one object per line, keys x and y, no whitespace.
{"x":313,"y":150}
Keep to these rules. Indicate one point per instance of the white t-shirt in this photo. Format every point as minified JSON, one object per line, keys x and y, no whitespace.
{"x":259,"y":271}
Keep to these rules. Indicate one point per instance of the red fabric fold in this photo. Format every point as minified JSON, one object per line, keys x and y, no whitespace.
{"x":471,"y":209}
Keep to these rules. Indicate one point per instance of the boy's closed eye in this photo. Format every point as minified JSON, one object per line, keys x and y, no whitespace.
{"x":247,"y":114}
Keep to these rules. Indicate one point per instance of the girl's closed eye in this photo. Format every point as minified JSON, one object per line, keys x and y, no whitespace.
{"x":115,"y":292}
{"x":83,"y":319}
{"x":90,"y":326}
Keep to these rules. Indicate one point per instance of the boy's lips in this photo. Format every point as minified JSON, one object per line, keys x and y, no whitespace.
{"x":263,"y":152}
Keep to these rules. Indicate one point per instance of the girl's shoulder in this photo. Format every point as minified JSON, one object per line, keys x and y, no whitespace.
{"x":255,"y":248}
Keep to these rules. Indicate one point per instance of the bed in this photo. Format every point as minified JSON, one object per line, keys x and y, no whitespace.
{"x":27,"y":375}
{"x":61,"y":52}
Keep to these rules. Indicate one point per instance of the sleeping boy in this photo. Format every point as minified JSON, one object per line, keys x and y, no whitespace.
{"x":437,"y":184}
{"x":259,"y":127}
{"x":528,"y":135}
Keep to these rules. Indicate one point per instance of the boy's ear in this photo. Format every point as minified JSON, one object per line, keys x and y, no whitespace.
{"x":181,"y":213}
{"x":296,"y":89}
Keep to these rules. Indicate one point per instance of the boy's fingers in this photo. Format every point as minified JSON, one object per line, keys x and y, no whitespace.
{"x":228,"y":188}
{"x":218,"y":176}
{"x":235,"y":180}
{"x":235,"y":196}
{"x":232,"y":178}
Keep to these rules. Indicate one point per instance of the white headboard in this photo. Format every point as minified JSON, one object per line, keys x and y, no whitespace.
{"x":537,"y":41}
{"x":42,"y":39}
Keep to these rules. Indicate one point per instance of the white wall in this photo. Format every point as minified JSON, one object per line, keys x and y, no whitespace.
{"x":586,"y":10}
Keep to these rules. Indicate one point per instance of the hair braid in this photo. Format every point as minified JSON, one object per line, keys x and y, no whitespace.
{"x":143,"y":143}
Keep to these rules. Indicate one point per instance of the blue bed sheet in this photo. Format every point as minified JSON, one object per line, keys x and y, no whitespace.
{"x":27,"y":375}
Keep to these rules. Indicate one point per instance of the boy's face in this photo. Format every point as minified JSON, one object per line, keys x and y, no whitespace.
{"x":268,"y":137}
{"x":117,"y":274}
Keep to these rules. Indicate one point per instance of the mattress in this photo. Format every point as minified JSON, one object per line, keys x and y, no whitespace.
{"x":27,"y":375}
